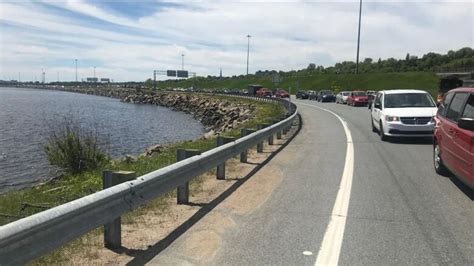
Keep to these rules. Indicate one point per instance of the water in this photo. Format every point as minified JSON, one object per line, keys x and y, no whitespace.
{"x":28,"y":115}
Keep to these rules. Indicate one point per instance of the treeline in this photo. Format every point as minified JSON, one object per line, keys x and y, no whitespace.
{"x":460,"y":60}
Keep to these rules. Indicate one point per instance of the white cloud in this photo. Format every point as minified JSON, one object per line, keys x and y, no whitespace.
{"x":285,"y":36}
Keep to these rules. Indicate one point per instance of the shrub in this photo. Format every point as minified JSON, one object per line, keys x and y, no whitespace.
{"x":73,"y":148}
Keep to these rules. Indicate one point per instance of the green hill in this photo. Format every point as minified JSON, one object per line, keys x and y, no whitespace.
{"x":365,"y":81}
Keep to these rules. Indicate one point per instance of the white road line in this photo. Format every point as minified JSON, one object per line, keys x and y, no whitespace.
{"x":331,"y":246}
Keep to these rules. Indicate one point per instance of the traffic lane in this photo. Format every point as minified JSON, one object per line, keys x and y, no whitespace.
{"x":295,"y":217}
{"x":400,"y":210}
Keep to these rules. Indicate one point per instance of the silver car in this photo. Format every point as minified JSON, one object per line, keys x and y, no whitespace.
{"x":342,"y":96}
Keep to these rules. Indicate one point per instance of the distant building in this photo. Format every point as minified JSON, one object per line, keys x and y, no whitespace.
{"x":92,"y":80}
{"x":105,"y":80}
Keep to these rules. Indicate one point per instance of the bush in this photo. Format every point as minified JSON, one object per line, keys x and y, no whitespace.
{"x":74,"y":149}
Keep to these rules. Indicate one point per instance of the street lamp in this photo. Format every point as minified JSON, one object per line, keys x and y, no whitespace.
{"x":76,"y":69}
{"x":248,"y":50}
{"x":182,"y":62}
{"x":358,"y":38}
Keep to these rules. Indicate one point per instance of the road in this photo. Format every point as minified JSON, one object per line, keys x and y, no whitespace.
{"x":392,"y":207}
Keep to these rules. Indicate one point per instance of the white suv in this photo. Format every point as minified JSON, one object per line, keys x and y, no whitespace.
{"x":403,"y":113}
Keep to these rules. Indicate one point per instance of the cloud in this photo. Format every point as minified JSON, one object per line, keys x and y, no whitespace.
{"x":212,"y":34}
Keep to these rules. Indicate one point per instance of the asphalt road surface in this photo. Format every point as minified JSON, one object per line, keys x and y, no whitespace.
{"x":346,"y":197}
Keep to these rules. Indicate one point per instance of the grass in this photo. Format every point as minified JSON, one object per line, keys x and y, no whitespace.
{"x":368,"y":81}
{"x":74,"y":186}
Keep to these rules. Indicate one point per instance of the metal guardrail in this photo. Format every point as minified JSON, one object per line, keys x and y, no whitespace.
{"x":36,"y":235}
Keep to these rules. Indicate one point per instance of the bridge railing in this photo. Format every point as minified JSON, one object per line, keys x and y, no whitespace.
{"x":36,"y":235}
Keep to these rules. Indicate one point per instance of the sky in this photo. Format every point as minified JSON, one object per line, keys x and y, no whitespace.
{"x":127,"y":40}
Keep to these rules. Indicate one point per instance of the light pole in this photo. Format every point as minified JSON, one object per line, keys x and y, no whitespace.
{"x":358,"y":38}
{"x":248,"y":50}
{"x":94,"y":72}
{"x":182,"y":62}
{"x":76,"y":69}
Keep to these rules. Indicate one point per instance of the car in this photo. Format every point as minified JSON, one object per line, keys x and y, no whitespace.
{"x":446,"y":84}
{"x":341,"y":97}
{"x":453,"y":140}
{"x":312,"y":95}
{"x":370,"y":92}
{"x":326,"y":96}
{"x":282,"y":94}
{"x":403,"y":113}
{"x":264,"y":92}
{"x":357,"y":98}
{"x":302,"y":95}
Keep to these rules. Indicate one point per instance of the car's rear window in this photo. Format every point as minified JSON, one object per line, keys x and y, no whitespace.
{"x":406,"y":100}
{"x":345,"y":93}
{"x":469,"y":109}
{"x":359,"y":93}
{"x":455,"y":108}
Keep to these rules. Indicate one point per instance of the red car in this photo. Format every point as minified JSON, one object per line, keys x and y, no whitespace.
{"x":358,"y":98}
{"x":264,"y":92}
{"x":453,"y":144}
{"x":282,"y":94}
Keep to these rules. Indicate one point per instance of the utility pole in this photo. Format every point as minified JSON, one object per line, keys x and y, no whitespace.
{"x":58,"y":76}
{"x":248,"y":51}
{"x":358,"y":38}
{"x":76,"y":70}
{"x":182,"y":61}
{"x":154,"y":79}
{"x":94,"y":72}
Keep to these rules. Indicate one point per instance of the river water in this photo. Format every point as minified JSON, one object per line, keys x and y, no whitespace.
{"x":27,"y":116}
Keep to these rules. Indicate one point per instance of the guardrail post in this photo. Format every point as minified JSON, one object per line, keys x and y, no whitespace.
{"x":260,"y":144}
{"x":278,"y":134}
{"x":270,"y":138}
{"x":221,"y":168}
{"x":244,"y":132}
{"x":183,"y":190}
{"x":113,"y":230}
{"x":286,"y":129}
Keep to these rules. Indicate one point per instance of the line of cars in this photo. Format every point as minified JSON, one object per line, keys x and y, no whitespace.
{"x":414,"y":113}
{"x":320,"y":96}
{"x":260,"y":91}
{"x":355,"y":98}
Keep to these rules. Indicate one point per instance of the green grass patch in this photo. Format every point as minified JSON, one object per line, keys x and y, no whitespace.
{"x":367,"y":81}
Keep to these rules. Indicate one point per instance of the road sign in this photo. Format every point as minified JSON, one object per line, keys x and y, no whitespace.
{"x":182,"y":73}
{"x":171,"y":73}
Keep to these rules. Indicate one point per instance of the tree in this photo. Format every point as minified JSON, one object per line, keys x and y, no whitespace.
{"x":311,"y":67}
{"x":149,"y":83}
{"x":407,"y":57}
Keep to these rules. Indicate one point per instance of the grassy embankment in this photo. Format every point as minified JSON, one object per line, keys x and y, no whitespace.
{"x":71,"y":187}
{"x":367,"y":81}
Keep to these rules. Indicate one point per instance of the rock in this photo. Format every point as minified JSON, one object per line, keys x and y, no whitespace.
{"x":209,"y":134}
{"x":130,"y":159}
{"x":153,"y":149}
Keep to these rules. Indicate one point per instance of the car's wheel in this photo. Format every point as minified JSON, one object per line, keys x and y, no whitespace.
{"x":383,"y":137}
{"x":437,"y":161}
{"x":372,"y":123}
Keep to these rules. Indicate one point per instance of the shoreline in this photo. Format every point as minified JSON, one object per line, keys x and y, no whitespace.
{"x":217,"y":109}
